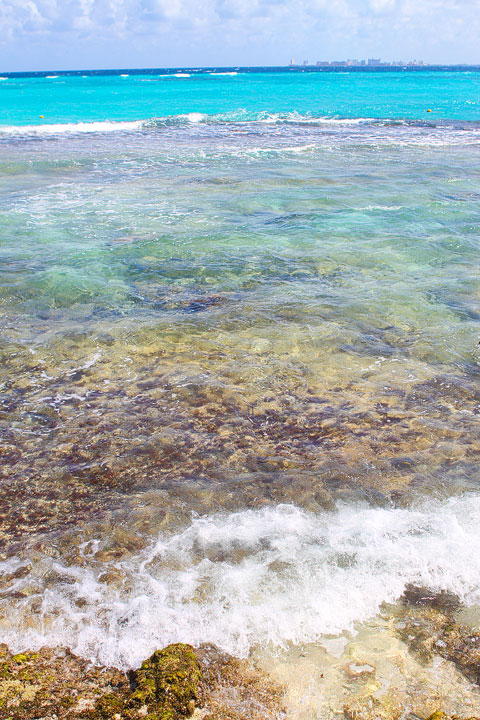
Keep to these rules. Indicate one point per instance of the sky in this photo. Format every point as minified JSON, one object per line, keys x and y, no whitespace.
{"x":88,"y":34}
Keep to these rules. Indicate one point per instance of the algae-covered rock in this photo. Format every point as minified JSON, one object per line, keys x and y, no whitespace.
{"x":168,"y":683}
{"x":54,"y":684}
{"x":108,"y":706}
{"x":439,"y":715}
{"x":57,"y":684}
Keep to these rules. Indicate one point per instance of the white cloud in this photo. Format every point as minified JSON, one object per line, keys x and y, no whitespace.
{"x":382,"y":5}
{"x":335,"y":26}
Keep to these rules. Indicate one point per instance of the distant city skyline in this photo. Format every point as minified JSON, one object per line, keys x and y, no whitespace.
{"x":45,"y":34}
{"x":369,"y":62}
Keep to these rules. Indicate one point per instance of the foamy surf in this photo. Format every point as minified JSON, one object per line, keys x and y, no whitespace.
{"x":321,"y":130}
{"x":194,"y":117}
{"x":80,"y":127}
{"x":269,"y":578}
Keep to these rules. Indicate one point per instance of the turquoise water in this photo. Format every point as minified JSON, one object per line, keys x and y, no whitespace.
{"x":65,"y":99}
{"x":239,"y":360}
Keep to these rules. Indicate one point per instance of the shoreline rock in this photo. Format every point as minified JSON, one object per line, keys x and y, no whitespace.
{"x":174,"y":683}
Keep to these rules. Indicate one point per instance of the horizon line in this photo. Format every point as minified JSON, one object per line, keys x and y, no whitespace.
{"x":296,"y":67}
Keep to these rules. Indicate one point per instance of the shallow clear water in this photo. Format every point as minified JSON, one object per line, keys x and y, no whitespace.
{"x":239,"y":380}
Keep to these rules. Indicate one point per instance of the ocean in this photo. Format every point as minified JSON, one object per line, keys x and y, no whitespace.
{"x":239,"y":378}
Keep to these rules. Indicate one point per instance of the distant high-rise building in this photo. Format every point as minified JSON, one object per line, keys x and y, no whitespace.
{"x":374,"y":61}
{"x":305,"y":62}
{"x":323,"y":63}
{"x":292,"y":62}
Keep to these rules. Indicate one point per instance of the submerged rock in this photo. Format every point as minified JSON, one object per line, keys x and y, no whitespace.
{"x":426,"y":621}
{"x":370,"y":707}
{"x":429,"y":627}
{"x":236,"y":690}
{"x":420,"y":595}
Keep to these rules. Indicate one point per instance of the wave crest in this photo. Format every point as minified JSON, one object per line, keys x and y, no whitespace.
{"x":389,"y":130}
{"x":273,"y":576}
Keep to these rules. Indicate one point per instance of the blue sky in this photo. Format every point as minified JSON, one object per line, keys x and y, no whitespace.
{"x":69,"y":34}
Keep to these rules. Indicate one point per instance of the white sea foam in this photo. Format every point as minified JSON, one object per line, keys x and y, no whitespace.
{"x":269,"y":577}
{"x":182,"y":75}
{"x":384,"y":208}
{"x":194,"y":117}
{"x":263,"y":151}
{"x":298,"y":118}
{"x":79,"y":127}
{"x":328,"y":120}
{"x":51,"y":77}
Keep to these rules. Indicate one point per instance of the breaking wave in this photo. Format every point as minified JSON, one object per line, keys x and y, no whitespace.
{"x":78,"y":127}
{"x":272,"y":576}
{"x":429,"y":133}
